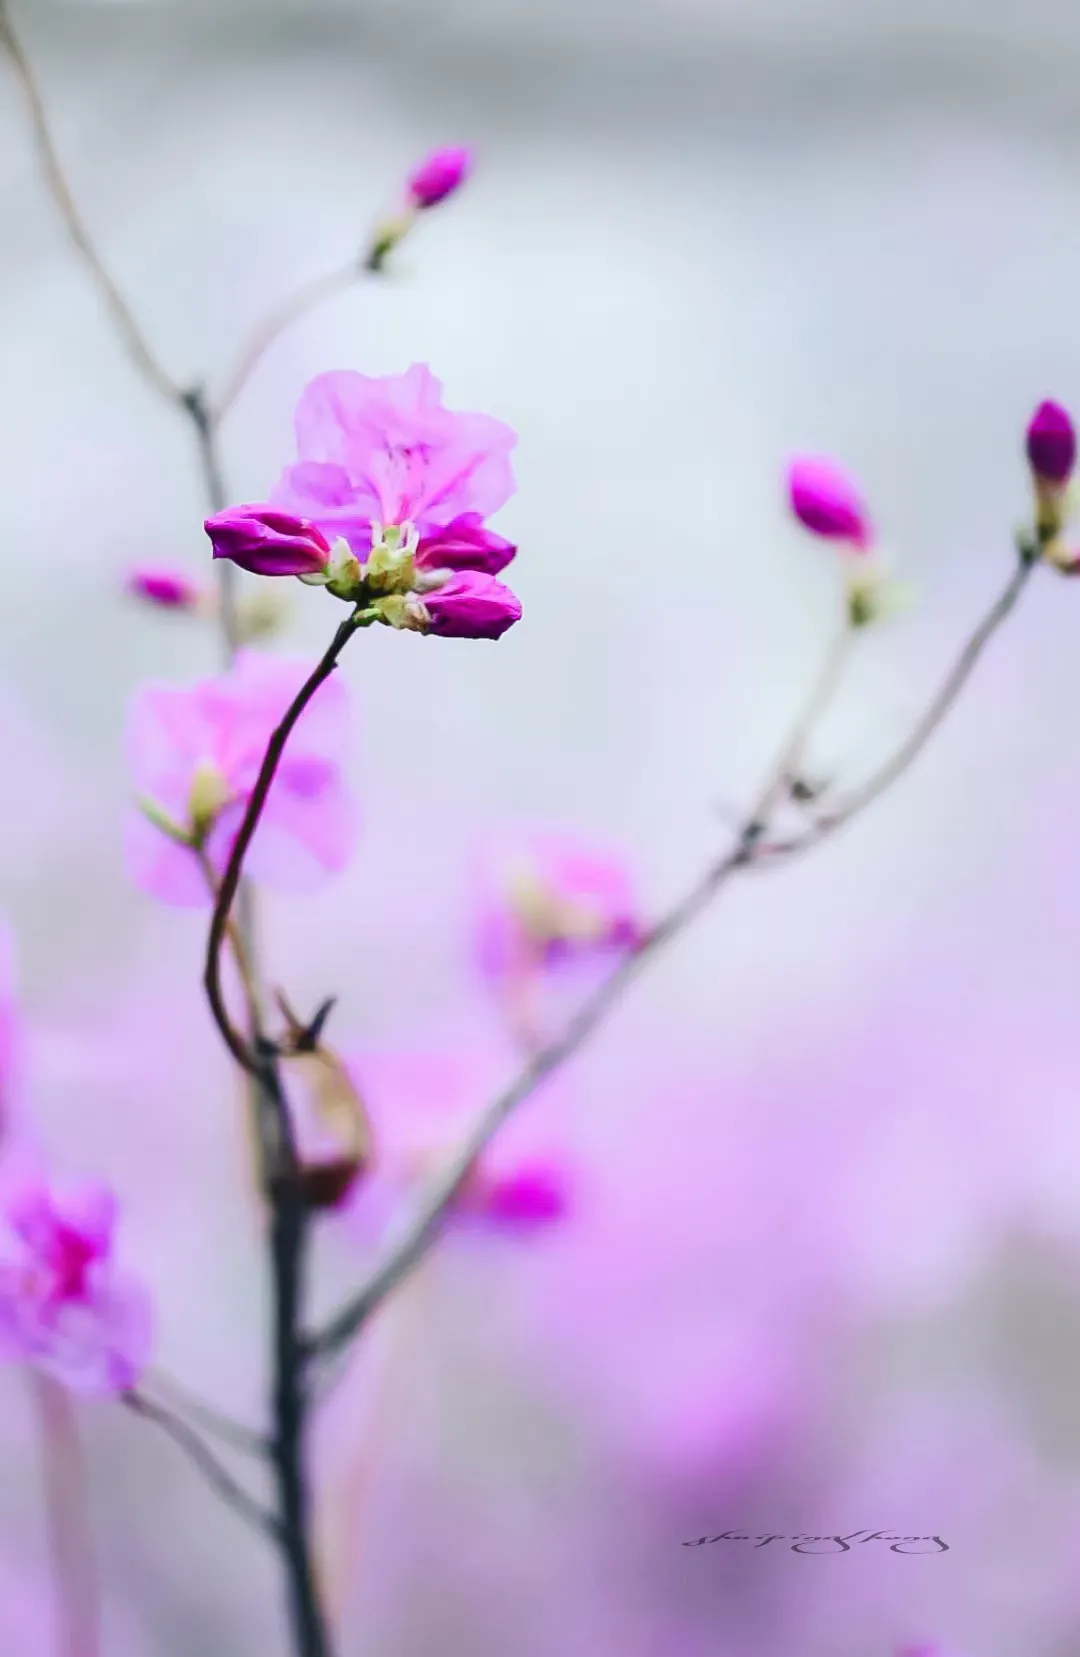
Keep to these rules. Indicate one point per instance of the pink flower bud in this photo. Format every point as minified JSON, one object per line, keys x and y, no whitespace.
{"x":267,"y":541}
{"x":439,"y":176}
{"x":827,"y":503}
{"x":168,"y":589}
{"x":470,"y":605}
{"x":1051,"y":444}
{"x":464,"y":544}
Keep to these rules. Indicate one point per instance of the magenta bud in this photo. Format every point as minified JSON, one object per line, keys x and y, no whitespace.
{"x":1051,"y":444}
{"x":470,"y":605}
{"x":439,"y":176}
{"x":827,"y":503}
{"x":168,"y":589}
{"x":267,"y":541}
{"x":465,"y":544}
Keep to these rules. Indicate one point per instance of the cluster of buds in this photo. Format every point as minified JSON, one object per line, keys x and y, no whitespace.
{"x":441,"y":583}
{"x":439,"y":176}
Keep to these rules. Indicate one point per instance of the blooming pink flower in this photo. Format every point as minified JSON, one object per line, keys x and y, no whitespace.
{"x":1051,"y":444}
{"x":467,"y":606}
{"x":420,"y":1104}
{"x":827,"y":503}
{"x":465,"y":544}
{"x":386,"y":452}
{"x":548,"y":899}
{"x":64,"y":1305}
{"x":267,"y":541}
{"x":439,"y":176}
{"x":168,"y":589}
{"x":195,"y":752}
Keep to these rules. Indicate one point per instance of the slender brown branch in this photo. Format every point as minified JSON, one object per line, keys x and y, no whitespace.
{"x":925,"y":728}
{"x":306,"y":299}
{"x":230,"y":880}
{"x":196,"y":1448}
{"x":57,"y":185}
{"x":408,"y":1248}
{"x":74,"y":1572}
{"x":236,"y":1434}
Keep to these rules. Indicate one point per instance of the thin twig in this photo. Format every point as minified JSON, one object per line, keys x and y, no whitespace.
{"x":305,"y":299}
{"x":58,"y":188}
{"x":925,"y":728}
{"x":78,"y":1604}
{"x":236,"y":1434}
{"x":223,"y":1482}
{"x":230,"y":880}
{"x":750,"y":850}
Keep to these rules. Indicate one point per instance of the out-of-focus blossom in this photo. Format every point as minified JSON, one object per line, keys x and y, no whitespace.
{"x":546,"y":900}
{"x":65,"y":1306}
{"x":267,"y":541}
{"x":385,"y":453}
{"x":467,"y":606}
{"x":421,"y":1103}
{"x":464,"y":544}
{"x":1051,"y":444}
{"x":437,"y":177}
{"x":195,"y":751}
{"x":827,"y":503}
{"x":165,"y":588}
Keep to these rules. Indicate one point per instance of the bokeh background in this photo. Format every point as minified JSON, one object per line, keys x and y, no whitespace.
{"x":822,"y":1275}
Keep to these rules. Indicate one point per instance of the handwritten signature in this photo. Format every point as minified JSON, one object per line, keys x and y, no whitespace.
{"x":803,"y":1542}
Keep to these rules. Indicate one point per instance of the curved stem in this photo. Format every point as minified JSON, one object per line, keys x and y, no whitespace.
{"x":230,"y":880}
{"x":74,"y":1570}
{"x":308,"y":298}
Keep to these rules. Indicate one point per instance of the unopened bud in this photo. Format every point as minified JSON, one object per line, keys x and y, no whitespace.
{"x":208,"y":796}
{"x":1051,"y":451}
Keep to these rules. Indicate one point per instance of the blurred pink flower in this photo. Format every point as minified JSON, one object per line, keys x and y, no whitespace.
{"x":439,"y":176}
{"x":195,"y":752}
{"x":268,"y":542}
{"x":64,"y":1306}
{"x":165,"y":588}
{"x":420,"y":1104}
{"x":546,"y":900}
{"x":386,"y":452}
{"x":827,"y":503}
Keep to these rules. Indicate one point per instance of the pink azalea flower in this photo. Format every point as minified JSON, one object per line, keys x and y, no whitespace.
{"x":385,"y":452}
{"x":268,"y":542}
{"x":64,"y":1305}
{"x":547,"y":900}
{"x":195,"y":752}
{"x":828,"y":504}
{"x":165,"y":588}
{"x":439,"y":176}
{"x":420,"y":1104}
